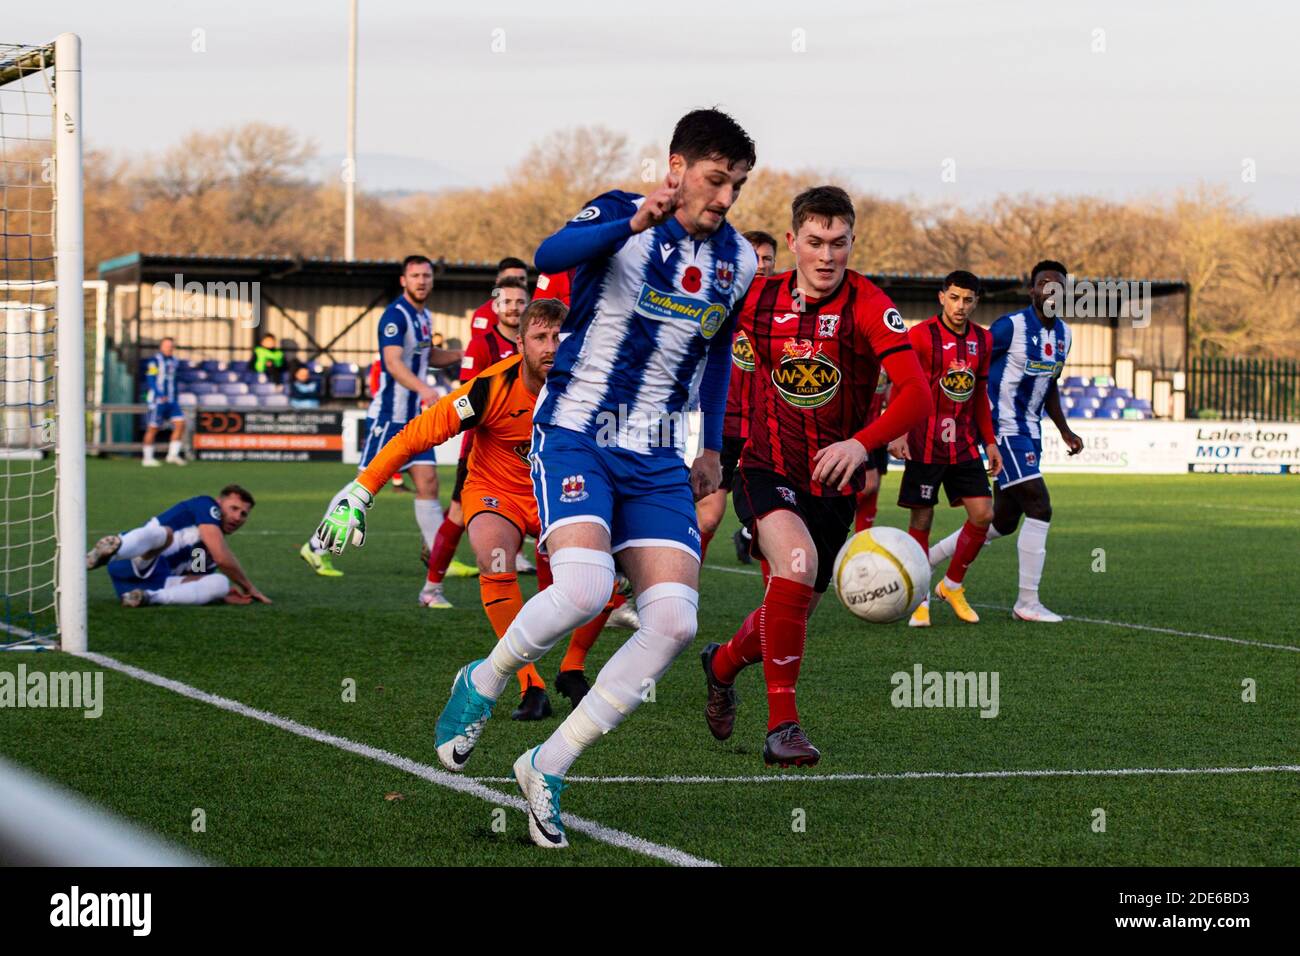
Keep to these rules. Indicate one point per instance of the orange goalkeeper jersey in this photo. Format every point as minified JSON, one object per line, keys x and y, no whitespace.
{"x":497,"y":406}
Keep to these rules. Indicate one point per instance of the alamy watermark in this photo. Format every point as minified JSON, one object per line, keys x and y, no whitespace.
{"x":922,"y":688}
{"x":78,"y":690}
{"x":627,"y":427}
{"x":207,"y":300}
{"x":1100,"y":299}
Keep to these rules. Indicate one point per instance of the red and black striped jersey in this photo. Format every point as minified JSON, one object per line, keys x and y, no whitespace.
{"x":740,"y":388}
{"x":816,"y":364}
{"x":485,"y":351}
{"x":957,"y":369}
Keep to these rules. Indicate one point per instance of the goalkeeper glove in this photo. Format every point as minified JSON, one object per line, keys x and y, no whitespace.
{"x":345,"y":516}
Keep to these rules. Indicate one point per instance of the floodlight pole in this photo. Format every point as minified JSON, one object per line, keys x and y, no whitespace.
{"x":350,"y":170}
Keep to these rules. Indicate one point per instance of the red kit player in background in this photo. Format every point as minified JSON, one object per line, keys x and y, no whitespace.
{"x":944,"y":450}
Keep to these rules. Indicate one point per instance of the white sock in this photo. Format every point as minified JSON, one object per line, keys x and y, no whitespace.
{"x":668,"y":625}
{"x":428,"y":515}
{"x":583,"y":580}
{"x":142,"y":540}
{"x":209,"y":588}
{"x":945,"y":549}
{"x":173,"y":449}
{"x":1032,"y":545}
{"x":148,"y":452}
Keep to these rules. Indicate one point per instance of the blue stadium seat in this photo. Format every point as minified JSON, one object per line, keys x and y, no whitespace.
{"x":203,"y":388}
{"x":1075,"y":381}
{"x":1108,"y":413}
{"x":233,"y":388}
{"x":274,"y":401}
{"x":345,"y":385}
{"x":245,"y":401}
{"x":188,"y":399}
{"x":215,"y":400}
{"x":1079,"y":412}
{"x":241,"y":366}
{"x":212,"y":365}
{"x":265,"y":388}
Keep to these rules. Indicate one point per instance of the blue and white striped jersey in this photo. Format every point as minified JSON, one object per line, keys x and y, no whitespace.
{"x":1026,"y":361}
{"x":405,"y":325}
{"x":160,"y":378}
{"x":649,"y":313}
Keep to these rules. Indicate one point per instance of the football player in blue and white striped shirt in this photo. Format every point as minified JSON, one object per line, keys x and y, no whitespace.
{"x":406,"y":352}
{"x":1029,"y":351}
{"x":656,"y":285}
{"x":164,"y":405}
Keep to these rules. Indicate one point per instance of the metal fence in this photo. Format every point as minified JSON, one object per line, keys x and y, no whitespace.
{"x":1262,"y":389}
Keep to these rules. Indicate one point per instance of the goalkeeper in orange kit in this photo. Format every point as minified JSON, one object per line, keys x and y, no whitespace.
{"x":497,"y":497}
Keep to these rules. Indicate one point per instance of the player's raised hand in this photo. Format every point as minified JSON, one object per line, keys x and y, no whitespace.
{"x":345,"y":517}
{"x":898,"y":448}
{"x":659,"y":205}
{"x":995,"y":459}
{"x":835,"y":464}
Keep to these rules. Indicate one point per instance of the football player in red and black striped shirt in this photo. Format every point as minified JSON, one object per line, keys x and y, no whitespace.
{"x":820,"y":335}
{"x":944,"y":450}
{"x":735,"y":424}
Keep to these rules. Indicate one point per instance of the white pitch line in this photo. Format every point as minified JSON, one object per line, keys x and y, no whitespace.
{"x":1093,"y":620}
{"x":929,"y":775}
{"x":442,"y":778}
{"x":1271,"y":511}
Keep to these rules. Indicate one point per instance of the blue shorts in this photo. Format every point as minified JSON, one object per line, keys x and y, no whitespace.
{"x":162,"y":414}
{"x":1021,"y":456}
{"x":125,"y":577}
{"x":642,"y":500}
{"x":378,"y":433}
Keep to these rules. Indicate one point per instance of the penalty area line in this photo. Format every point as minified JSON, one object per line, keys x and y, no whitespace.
{"x":928,"y":775}
{"x":442,"y":778}
{"x":1092,"y":620}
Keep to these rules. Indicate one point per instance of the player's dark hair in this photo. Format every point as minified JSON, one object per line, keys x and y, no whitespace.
{"x":510,"y":262}
{"x":544,"y":312}
{"x":821,"y":202}
{"x":1047,"y":265}
{"x":712,"y":134}
{"x":239,"y":491}
{"x":511,"y":282}
{"x":415,"y":260}
{"x":757,"y":237}
{"x":962,"y":280}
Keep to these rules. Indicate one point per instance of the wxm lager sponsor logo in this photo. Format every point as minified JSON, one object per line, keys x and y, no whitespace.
{"x":806,"y":378}
{"x":742,"y":352}
{"x":958,"y":383}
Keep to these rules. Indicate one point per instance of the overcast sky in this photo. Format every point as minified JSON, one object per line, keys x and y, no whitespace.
{"x":1108,"y":98}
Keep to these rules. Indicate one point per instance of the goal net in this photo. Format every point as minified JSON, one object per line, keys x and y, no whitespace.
{"x":42,"y":350}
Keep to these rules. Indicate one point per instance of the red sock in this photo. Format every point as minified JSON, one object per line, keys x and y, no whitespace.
{"x":444,"y":547}
{"x":782,"y":630}
{"x":969,"y":543}
{"x":767,"y":572}
{"x":865,"y":515}
{"x":742,"y":650}
{"x":544,"y":576}
{"x":922,"y":537}
{"x":705,"y":538}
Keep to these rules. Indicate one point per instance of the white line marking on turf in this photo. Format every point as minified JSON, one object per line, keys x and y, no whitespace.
{"x":929,"y":775}
{"x":442,"y":778}
{"x":1093,"y":620}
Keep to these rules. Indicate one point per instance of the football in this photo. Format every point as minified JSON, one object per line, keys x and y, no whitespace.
{"x":882,"y":575}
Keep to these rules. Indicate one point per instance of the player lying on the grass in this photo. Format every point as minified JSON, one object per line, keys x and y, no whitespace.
{"x":735,"y":424}
{"x":944,"y":450}
{"x":181,"y":555}
{"x":1029,"y":352}
{"x":657,"y":280}
{"x":406,"y":351}
{"x":820,"y":335}
{"x":498,"y":493}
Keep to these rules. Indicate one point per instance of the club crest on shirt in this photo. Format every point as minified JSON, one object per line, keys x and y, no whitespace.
{"x":573,"y":488}
{"x":1031,"y":458}
{"x":523,"y":450}
{"x":491,"y":501}
{"x":786,"y":493}
{"x":972,"y":348}
{"x":958,"y":382}
{"x":724,"y":274}
{"x":826,"y":326}
{"x":742,"y":352}
{"x":805,"y":377}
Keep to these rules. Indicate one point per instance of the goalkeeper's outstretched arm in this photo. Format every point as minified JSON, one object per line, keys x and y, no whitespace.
{"x":346,"y":515}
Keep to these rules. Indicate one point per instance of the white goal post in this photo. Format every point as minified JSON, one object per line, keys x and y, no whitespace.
{"x":42,"y":553}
